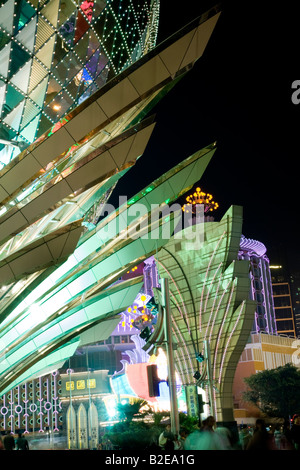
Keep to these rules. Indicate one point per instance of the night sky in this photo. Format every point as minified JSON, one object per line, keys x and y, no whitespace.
{"x":239,"y":95}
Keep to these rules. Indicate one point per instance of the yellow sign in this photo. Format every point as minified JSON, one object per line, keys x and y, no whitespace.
{"x":91,"y":383}
{"x":80,"y":384}
{"x":70,"y":385}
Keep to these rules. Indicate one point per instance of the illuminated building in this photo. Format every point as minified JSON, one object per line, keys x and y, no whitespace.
{"x":34,"y":405}
{"x":209,"y":295}
{"x":55,"y":54}
{"x":59,"y":267}
{"x":261,"y":285}
{"x":283,"y":309}
{"x":262,"y":352}
{"x":282,"y":294}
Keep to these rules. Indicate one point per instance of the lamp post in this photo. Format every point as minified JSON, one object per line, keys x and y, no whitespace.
{"x":170,"y":355}
{"x":209,"y":377}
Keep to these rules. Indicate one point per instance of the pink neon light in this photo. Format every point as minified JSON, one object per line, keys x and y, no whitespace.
{"x":186,"y":348}
{"x":211,"y":284}
{"x":221,"y":327}
{"x":173,"y":296}
{"x":229,"y":339}
{"x":213,"y":306}
{"x":206,"y":274}
{"x":178,"y":293}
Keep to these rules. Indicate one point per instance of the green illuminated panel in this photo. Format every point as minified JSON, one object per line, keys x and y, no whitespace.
{"x":101,"y":306}
{"x":52,"y":362}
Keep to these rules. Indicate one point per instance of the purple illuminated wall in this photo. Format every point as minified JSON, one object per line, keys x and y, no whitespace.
{"x":261,"y":285}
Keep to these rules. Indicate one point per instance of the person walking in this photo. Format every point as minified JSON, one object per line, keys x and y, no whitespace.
{"x":295,"y":432}
{"x":22,"y":443}
{"x":286,"y":442}
{"x":206,"y":438}
{"x":244,"y":436}
{"x":261,"y":439}
{"x":9,"y":441}
{"x":179,"y":440}
{"x":166,"y":439}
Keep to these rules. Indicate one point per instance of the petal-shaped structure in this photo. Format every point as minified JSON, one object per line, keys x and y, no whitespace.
{"x":209,"y":297}
{"x":60,"y":304}
{"x":68,"y":173}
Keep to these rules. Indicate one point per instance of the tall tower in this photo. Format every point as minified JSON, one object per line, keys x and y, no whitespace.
{"x":261,"y":284}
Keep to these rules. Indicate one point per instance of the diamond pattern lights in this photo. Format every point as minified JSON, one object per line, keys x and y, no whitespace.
{"x":56,"y":53}
{"x":60,"y":284}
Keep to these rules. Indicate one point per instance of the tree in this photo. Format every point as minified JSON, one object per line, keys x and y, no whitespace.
{"x":275,"y":392}
{"x":129,"y":410}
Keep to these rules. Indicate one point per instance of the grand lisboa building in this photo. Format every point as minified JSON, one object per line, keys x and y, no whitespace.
{"x":54,"y":54}
{"x":78,"y":80}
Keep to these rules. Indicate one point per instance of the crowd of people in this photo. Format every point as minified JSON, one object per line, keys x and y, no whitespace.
{"x":212,"y":437}
{"x":9,"y":442}
{"x":208,"y":436}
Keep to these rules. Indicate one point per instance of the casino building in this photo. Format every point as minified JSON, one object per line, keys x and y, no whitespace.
{"x":78,"y":81}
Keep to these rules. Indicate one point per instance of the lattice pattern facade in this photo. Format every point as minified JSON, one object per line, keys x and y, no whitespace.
{"x":56,"y":53}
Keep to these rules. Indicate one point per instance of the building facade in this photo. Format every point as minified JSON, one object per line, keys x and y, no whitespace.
{"x":262,"y":352}
{"x":261,"y":285}
{"x":286,"y":292}
{"x":58,"y":266}
{"x":55,"y":54}
{"x":210,"y":302}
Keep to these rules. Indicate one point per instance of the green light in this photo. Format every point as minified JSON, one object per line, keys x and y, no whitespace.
{"x":150,"y":188}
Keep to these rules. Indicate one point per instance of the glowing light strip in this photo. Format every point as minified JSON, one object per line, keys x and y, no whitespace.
{"x":217,"y":311}
{"x":122,"y":33}
{"x":211,"y":284}
{"x":55,"y":399}
{"x":213,"y":306}
{"x":178,"y":361}
{"x":221,"y":327}
{"x":136,"y":20}
{"x":187,"y":319}
{"x":179,"y":309}
{"x":40,"y":400}
{"x":186,"y":348}
{"x":206,"y":274}
{"x":26,"y":415}
{"x":11,"y":411}
{"x":229,"y":340}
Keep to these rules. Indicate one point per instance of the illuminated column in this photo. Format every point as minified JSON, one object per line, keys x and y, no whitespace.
{"x":40,"y":399}
{"x":55,"y":402}
{"x":93,"y":426}
{"x":71,"y":427}
{"x":170,"y":356}
{"x":11,"y":416}
{"x":26,"y":401}
{"x":82,"y":427}
{"x":209,"y":378}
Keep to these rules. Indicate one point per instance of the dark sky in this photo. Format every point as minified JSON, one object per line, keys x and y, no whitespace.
{"x":238,"y":94}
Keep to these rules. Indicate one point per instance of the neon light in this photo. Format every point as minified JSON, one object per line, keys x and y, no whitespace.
{"x":186,"y":315}
{"x":206,"y":274}
{"x":229,"y":339}
{"x":222,"y":325}
{"x":213,"y":305}
{"x":216,"y":313}
{"x":211,"y":285}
